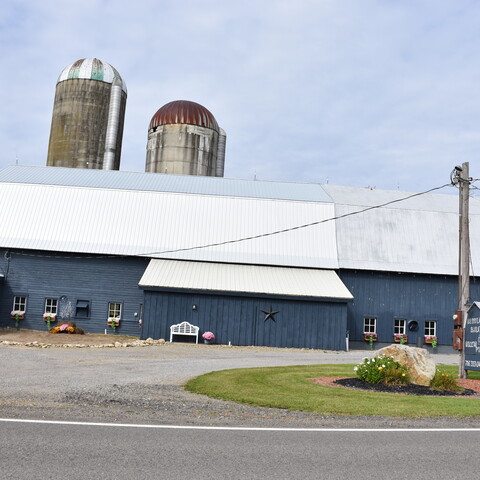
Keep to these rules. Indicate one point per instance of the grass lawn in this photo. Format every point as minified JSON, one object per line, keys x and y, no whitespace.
{"x":291,"y":389}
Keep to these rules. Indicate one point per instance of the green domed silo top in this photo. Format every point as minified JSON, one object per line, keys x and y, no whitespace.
{"x":93,"y":69}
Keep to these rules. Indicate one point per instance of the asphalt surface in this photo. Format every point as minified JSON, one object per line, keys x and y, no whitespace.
{"x":147,"y":426}
{"x":38,"y":451}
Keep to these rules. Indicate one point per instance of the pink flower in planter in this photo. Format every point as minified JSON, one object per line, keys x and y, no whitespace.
{"x":208,"y":336}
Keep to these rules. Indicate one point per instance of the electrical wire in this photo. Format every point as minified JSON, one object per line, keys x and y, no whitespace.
{"x":298,"y":227}
{"x":252,"y":237}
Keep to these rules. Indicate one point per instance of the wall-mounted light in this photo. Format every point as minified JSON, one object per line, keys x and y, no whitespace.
{"x":194,"y":307}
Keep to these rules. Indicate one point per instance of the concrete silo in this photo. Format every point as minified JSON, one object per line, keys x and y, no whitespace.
{"x":88,"y":117}
{"x":184,"y":138}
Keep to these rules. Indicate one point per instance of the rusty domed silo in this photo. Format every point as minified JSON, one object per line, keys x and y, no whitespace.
{"x":88,"y":117}
{"x":184,"y":138}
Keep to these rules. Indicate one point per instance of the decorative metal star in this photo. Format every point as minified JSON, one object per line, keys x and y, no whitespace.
{"x":270,"y":315}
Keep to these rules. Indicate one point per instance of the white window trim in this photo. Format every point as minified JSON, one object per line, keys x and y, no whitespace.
{"x":434,"y":334}
{"x":365,"y":324}
{"x":401,"y":328}
{"x":16,"y":305}
{"x":119,"y":316}
{"x":55,"y":309}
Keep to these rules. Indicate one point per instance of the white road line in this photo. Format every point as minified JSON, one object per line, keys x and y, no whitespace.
{"x":252,"y":429}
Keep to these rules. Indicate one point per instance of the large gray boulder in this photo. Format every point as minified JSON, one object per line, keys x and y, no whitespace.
{"x":420,"y":364}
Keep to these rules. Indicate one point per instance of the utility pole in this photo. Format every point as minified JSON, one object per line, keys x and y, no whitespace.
{"x":463,"y":180}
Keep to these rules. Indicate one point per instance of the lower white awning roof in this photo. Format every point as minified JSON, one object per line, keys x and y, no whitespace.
{"x":222,"y":277}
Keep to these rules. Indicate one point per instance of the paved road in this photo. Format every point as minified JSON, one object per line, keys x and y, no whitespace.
{"x":42,"y":451}
{"x":142,"y":386}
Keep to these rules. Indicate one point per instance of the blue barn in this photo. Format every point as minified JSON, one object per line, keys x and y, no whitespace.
{"x":257,"y":263}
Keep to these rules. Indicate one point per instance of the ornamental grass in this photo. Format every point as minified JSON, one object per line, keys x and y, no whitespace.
{"x":445,"y":382}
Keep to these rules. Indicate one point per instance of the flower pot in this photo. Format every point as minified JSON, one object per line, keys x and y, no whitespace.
{"x":398,"y":339}
{"x":367,"y":337}
{"x":207,"y":341}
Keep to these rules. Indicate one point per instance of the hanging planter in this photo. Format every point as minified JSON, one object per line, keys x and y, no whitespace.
{"x":49,"y":318}
{"x":17,"y":315}
{"x":370,"y":337}
{"x":400,"y":338}
{"x":113,"y":322}
{"x":432,"y":340}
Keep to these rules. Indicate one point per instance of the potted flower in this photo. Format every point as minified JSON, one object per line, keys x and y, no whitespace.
{"x":113,"y":322}
{"x":400,"y":338}
{"x":370,"y":337}
{"x":17,"y":315}
{"x":432,"y":339}
{"x":49,"y":317}
{"x":208,"y":337}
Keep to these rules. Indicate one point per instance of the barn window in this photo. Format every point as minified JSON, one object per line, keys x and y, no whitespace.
{"x":82,"y":308}
{"x":51,"y":305}
{"x":369,"y":325}
{"x":430,"y":328}
{"x":114,"y":310}
{"x":399,"y":326}
{"x":19,"y":303}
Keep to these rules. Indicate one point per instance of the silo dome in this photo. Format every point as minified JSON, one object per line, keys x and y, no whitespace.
{"x":92,"y":69}
{"x":88,"y":116}
{"x":184,"y":111}
{"x":184,"y":138}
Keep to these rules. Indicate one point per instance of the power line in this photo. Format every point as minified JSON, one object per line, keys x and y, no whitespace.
{"x":298,"y":227}
{"x":253,"y":237}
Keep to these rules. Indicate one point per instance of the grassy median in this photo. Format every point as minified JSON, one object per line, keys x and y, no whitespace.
{"x":291,"y":388}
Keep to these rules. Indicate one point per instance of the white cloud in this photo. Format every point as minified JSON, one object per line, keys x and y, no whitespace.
{"x":360,"y":93}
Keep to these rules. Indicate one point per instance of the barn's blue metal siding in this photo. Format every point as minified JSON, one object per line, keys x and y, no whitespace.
{"x":236,"y":319}
{"x":38,"y":275}
{"x":387,"y":296}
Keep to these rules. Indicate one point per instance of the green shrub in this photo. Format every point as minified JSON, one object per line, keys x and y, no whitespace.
{"x":382,"y":370}
{"x":445,"y":382}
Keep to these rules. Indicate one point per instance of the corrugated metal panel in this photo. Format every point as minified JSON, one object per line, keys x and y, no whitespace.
{"x":239,"y":319}
{"x":368,"y":197}
{"x":418,"y":235}
{"x":124,"y":222}
{"x":387,"y":295}
{"x":97,"y":280}
{"x":184,"y":111}
{"x":91,"y":69}
{"x":301,"y":282}
{"x":158,"y":182}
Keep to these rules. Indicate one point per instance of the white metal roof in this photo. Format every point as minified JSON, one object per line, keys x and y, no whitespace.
{"x":301,"y":282}
{"x":158,"y":182}
{"x":166,"y":216}
{"x":417,"y":235}
{"x":164,"y":224}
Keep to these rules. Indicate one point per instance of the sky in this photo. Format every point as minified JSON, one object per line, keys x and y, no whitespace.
{"x":366,"y":93}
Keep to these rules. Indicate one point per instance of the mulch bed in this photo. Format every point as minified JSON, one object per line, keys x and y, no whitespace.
{"x":472,"y":387}
{"x":408,"y":389}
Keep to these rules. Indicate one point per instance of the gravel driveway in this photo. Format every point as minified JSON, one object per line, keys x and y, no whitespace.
{"x":143,"y":385}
